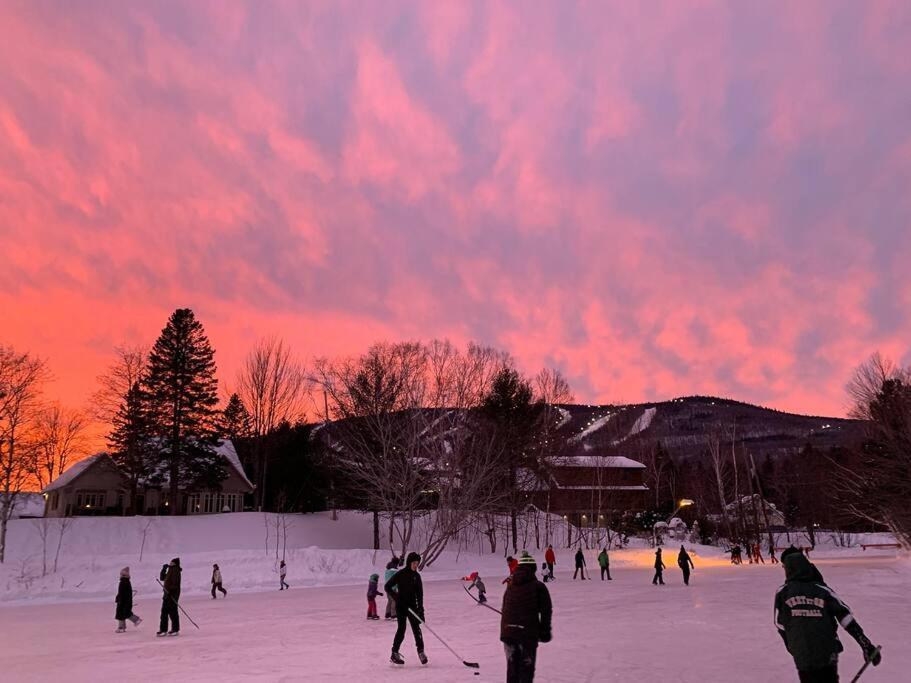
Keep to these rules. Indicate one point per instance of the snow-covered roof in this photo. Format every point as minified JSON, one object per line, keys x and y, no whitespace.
{"x":73,"y":471}
{"x":228,"y":452}
{"x":615,"y":461}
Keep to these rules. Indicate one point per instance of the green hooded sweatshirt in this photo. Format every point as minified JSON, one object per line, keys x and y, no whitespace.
{"x":807,"y":614}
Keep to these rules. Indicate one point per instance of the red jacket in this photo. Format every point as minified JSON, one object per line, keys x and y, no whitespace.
{"x":513,"y":566}
{"x":549,"y":556}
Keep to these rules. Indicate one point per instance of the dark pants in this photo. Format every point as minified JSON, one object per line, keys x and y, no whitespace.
{"x":404,"y":616}
{"x":284,"y":584}
{"x":659,"y":577}
{"x":550,"y":569}
{"x":390,"y":606}
{"x":685,"y":568}
{"x":217,"y":586}
{"x":520,"y":662}
{"x":482,"y":597}
{"x":169,"y":611}
{"x":605,"y":571}
{"x":826,"y":674}
{"x":576,"y":573}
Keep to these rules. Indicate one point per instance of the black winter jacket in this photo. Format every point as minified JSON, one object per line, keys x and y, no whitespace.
{"x":580,"y":559}
{"x":408,"y":590}
{"x":170,"y":577}
{"x":124,"y":599}
{"x":807,"y":614}
{"x":527,"y":609}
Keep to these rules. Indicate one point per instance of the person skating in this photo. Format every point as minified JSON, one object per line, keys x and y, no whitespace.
{"x":772,"y":557}
{"x":216,"y":581}
{"x":659,"y":569}
{"x":604,"y":563}
{"x":685,"y":562}
{"x":757,"y":552}
{"x":170,"y":578}
{"x":391,"y":568}
{"x":580,"y":564}
{"x":282,"y":573}
{"x":526,"y":621}
{"x":551,"y":559}
{"x":545,"y":575}
{"x":807,"y":614}
{"x":409,"y":596}
{"x":476,"y":582}
{"x":372,"y":592}
{"x":124,"y":601}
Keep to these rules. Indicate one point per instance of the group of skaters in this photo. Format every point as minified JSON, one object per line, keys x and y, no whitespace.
{"x":754,"y":553}
{"x":169,"y":578}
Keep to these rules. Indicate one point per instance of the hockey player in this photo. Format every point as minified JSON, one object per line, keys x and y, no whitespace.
{"x":526,"y":621}
{"x":124,"y":601}
{"x":684,"y":561}
{"x":216,"y":581}
{"x":170,"y":578}
{"x":372,"y":592}
{"x":551,"y":559}
{"x":604,"y":563}
{"x":476,"y":582}
{"x":282,"y":573}
{"x":659,"y":569}
{"x":580,"y":564}
{"x":409,"y":596}
{"x":391,"y":568}
{"x":807,"y":614}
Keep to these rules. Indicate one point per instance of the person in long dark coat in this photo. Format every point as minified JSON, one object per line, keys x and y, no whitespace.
{"x":580,"y":564}
{"x":526,"y":621}
{"x":170,"y":577}
{"x":659,"y":569}
{"x":124,"y":601}
{"x":684,"y":561}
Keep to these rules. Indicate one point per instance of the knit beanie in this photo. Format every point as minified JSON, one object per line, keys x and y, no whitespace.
{"x":125,"y":573}
{"x":527,"y":559}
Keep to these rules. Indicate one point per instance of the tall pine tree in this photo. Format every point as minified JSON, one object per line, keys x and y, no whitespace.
{"x":182,"y":396}
{"x":131,"y":443}
{"x":234,"y":421}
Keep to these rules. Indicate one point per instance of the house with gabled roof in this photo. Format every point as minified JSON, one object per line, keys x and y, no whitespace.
{"x":97,"y":486}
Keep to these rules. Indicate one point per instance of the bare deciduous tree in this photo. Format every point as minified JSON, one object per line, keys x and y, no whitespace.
{"x":271,"y":384}
{"x":21,"y":379}
{"x":114,"y":385}
{"x":58,"y":436}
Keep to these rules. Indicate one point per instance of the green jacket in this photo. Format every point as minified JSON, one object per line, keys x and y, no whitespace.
{"x":807,"y":614}
{"x":602,"y":559}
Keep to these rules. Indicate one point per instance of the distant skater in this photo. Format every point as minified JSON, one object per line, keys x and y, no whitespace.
{"x":772,"y":557}
{"x":170,"y":578}
{"x":551,"y":559}
{"x":476,"y":582}
{"x":282,"y":573}
{"x":580,"y":564}
{"x":685,"y":562}
{"x":391,"y":568}
{"x":124,"y":601}
{"x":372,"y":592}
{"x":659,"y":569}
{"x":604,"y":563}
{"x":216,"y":581}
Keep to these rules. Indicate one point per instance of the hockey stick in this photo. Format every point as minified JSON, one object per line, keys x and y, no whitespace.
{"x":481,"y":603}
{"x":178,"y":605}
{"x":864,"y":667}
{"x":473,"y":665}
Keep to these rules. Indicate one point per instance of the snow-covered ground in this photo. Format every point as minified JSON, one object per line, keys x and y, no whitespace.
{"x":718,"y":629}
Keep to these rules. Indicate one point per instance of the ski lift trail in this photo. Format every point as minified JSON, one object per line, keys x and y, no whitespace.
{"x":592,"y":428}
{"x":642,"y":423}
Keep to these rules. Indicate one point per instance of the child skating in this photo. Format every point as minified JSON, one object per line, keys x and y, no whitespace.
{"x":476,"y":582}
{"x":372,"y":592}
{"x":124,"y":601}
{"x":282,"y":573}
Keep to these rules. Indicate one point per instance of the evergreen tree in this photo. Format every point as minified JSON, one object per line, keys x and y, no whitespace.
{"x":182,"y":394}
{"x":234,"y":421}
{"x":130,"y":441}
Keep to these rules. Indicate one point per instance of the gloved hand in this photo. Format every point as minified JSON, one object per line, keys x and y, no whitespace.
{"x":871,"y":654}
{"x":545,"y":635}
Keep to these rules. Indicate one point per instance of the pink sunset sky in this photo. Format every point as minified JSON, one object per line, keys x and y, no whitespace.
{"x":658,"y":199}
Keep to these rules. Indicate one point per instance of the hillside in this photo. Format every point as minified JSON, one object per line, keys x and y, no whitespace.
{"x":684,"y":426}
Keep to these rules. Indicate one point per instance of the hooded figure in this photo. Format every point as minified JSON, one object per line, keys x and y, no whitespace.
{"x":526,"y":621}
{"x":372,"y":592}
{"x":409,"y":601}
{"x":124,"y":602}
{"x":604,"y":563}
{"x":580,"y":564}
{"x":170,"y":576}
{"x":216,"y":581}
{"x":684,"y":561}
{"x":807,"y":614}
